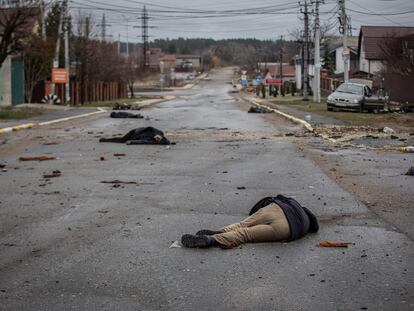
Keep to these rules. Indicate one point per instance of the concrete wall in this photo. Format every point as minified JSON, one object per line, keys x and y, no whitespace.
{"x":5,"y":81}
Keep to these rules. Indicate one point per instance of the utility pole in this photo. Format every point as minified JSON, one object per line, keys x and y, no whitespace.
{"x":127,"y":19}
{"x":119,"y":44}
{"x":103,"y":28}
{"x":43,"y":20}
{"x":67,"y":59}
{"x":281,"y":65}
{"x":57,"y":50}
{"x":317,"y":80}
{"x":145,"y":45}
{"x":305,"y":12}
{"x":145,"y":36}
{"x":127,"y":37}
{"x":344,"y":30}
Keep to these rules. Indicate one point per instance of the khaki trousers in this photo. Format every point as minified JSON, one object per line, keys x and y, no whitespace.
{"x":268,"y":224}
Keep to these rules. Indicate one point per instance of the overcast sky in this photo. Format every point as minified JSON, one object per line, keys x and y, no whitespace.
{"x":264,"y":19}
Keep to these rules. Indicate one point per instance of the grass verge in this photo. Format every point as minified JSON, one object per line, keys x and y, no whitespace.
{"x":352,"y":118}
{"x":112,"y":103}
{"x":11,"y":113}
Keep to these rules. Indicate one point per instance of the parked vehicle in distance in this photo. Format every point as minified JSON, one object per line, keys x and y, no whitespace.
{"x":354,"y":96}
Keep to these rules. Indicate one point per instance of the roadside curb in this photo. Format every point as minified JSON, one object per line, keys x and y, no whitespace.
{"x":150,"y":102}
{"x":309,"y":127}
{"x":32,"y":125}
{"x":100,"y":110}
{"x":16,"y":128}
{"x":305,"y":124}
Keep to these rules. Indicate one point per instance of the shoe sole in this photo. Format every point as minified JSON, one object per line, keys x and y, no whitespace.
{"x":193,"y":241}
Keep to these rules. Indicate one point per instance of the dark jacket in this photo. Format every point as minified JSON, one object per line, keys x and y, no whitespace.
{"x":300,"y":219}
{"x":140,"y":136}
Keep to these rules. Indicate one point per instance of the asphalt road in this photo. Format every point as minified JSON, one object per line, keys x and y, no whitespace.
{"x":74,"y":243}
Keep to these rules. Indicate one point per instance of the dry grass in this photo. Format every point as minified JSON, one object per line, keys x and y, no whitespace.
{"x":11,"y":113}
{"x":112,"y":103}
{"x":395,"y":120}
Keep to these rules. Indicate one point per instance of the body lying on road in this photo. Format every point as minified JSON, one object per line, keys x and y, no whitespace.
{"x":140,"y":136}
{"x":272,"y":219}
{"x":125,"y":115}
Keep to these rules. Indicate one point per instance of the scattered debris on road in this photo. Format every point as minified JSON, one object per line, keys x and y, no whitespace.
{"x":125,"y":106}
{"x":119,"y":182}
{"x":140,"y":136}
{"x":119,"y":154}
{"x":102,"y":158}
{"x":37,"y":158}
{"x":176,"y":244}
{"x":125,"y":115}
{"x":334,"y":244}
{"x":54,"y":174}
{"x":48,"y":143}
{"x":388,"y":130}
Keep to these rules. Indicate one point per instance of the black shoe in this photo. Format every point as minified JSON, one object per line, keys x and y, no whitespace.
{"x":209,"y":232}
{"x":193,"y":241}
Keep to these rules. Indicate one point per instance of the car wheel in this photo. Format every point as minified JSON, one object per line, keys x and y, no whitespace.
{"x":330,"y":108}
{"x":361,"y":108}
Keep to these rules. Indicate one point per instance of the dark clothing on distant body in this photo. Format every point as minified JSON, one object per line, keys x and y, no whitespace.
{"x":140,"y":136}
{"x":124,"y":115}
{"x":300,"y":219}
{"x":258,"y":110}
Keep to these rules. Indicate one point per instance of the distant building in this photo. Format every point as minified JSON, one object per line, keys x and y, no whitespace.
{"x":153,"y":56}
{"x":288,"y":71}
{"x":336,"y":50}
{"x":188,"y":61}
{"x":169,"y":60}
{"x":370,"y":44}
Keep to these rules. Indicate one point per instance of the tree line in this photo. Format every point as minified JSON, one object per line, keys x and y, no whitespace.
{"x":240,"y":52}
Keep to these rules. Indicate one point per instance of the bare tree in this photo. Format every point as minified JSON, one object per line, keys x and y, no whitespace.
{"x":98,"y":61}
{"x":130,"y":72}
{"x":398,"y":54}
{"x":15,"y":25}
{"x":37,"y":55}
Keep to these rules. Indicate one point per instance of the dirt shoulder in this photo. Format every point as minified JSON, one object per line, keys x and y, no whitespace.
{"x":355,"y":152}
{"x":377,"y":178}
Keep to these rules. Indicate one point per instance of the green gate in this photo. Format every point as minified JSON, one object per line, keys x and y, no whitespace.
{"x":17,"y":85}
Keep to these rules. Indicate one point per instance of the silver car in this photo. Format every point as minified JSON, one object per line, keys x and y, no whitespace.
{"x":354,"y":96}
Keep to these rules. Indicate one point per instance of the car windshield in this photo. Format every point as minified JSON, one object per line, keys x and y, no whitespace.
{"x":350,"y":89}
